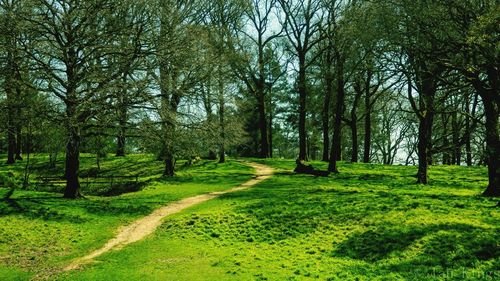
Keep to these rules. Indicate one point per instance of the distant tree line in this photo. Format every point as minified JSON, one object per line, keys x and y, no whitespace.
{"x":409,"y":82}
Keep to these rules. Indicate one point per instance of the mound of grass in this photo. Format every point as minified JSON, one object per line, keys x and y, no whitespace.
{"x":371,"y":222}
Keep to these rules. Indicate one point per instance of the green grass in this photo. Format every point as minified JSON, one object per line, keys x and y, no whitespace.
{"x":371,"y":222}
{"x":40,"y":231}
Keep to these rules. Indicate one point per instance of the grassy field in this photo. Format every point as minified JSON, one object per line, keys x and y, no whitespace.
{"x":370,"y":222}
{"x":41,"y":232}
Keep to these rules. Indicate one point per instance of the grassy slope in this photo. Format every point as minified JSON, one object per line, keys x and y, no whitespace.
{"x":40,"y":231}
{"x":371,"y":222}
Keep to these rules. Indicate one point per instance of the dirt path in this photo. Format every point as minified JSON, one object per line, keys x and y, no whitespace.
{"x":141,"y":228}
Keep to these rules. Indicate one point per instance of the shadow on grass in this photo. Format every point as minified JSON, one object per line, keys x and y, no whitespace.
{"x":445,"y":244}
{"x":56,"y":208}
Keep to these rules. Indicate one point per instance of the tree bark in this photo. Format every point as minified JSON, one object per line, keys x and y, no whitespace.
{"x":19,"y":140}
{"x":169,"y":163}
{"x":222,"y":152}
{"x":326,"y":118}
{"x":368,"y":128}
{"x":11,"y":150}
{"x":264,"y":138}
{"x":427,"y":92}
{"x":122,"y":119}
{"x":492,"y":111}
{"x":270,"y":128}
{"x":491,"y":102}
{"x":11,"y":102}
{"x":354,"y":136}
{"x":468,"y":132}
{"x":337,"y":124}
{"x":302,"y":107}
{"x":354,"y":124}
{"x":446,"y":143}
{"x":72,"y":190}
{"x":457,"y":147}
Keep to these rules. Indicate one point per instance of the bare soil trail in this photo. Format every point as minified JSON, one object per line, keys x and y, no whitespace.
{"x":142,"y":227}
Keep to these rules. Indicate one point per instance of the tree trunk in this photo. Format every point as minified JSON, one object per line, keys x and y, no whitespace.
{"x":302,"y":107}
{"x":446,"y":143}
{"x":222,"y":151}
{"x":11,"y":137}
{"x":492,"y":111}
{"x":423,"y":145}
{"x":326,"y":119}
{"x":457,"y":147}
{"x":468,"y":132}
{"x":337,"y":124}
{"x":122,"y":118}
{"x":491,"y":103}
{"x":368,"y":129}
{"x":425,"y":131}
{"x":354,"y":136}
{"x":270,"y":128}
{"x":169,"y":163}
{"x":354,"y":124}
{"x":120,"y":143}
{"x":11,"y":105}
{"x":264,"y":139}
{"x":72,"y":190}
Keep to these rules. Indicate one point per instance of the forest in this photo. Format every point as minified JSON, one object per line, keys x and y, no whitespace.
{"x":117,"y":110}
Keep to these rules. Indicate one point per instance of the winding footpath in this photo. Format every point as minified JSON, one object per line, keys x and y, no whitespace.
{"x":141,"y":228}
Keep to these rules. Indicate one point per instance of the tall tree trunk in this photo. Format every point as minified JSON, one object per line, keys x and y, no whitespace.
{"x":19,"y":141}
{"x":222,"y":152}
{"x":18,"y":122}
{"x":264,"y":138}
{"x":368,"y":128}
{"x":120,"y":142}
{"x":72,"y":190}
{"x":261,"y":102}
{"x":492,"y":111}
{"x":222,"y":132}
{"x":326,"y":118}
{"x":11,"y":138}
{"x":270,"y":128}
{"x":122,"y":118}
{"x":468,"y":132}
{"x":11,"y":104}
{"x":169,"y":163}
{"x":339,"y":111}
{"x":427,"y":93}
{"x":354,"y":124}
{"x":422,"y":151}
{"x":302,"y":107}
{"x":354,"y":136}
{"x":491,"y":103}
{"x":457,"y":146}
{"x":446,"y":143}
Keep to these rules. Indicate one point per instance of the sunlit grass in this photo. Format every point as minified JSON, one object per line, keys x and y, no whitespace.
{"x":41,"y":231}
{"x":371,"y":222}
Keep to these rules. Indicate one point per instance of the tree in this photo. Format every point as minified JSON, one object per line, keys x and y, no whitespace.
{"x":224,"y":20}
{"x":74,"y":46}
{"x":13,"y":70}
{"x":255,"y":72}
{"x":302,"y":24}
{"x":474,"y":38}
